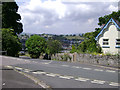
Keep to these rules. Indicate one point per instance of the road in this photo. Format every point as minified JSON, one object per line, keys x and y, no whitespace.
{"x":58,"y":74}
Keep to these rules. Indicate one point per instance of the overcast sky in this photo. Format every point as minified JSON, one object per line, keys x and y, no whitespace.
{"x":62,"y":16}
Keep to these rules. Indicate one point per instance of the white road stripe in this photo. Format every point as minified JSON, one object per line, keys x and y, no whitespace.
{"x":110,"y":71}
{"x":46,"y":63}
{"x":65,"y":65}
{"x":87,"y":68}
{"x":27,"y":70}
{"x":39,"y":72}
{"x":18,"y":68}
{"x":114,"y":84}
{"x":82,"y":79}
{"x":66,"y":77}
{"x":52,"y":75}
{"x":98,"y":70}
{"x":9,"y":66}
{"x":98,"y":81}
{"x":75,"y":67}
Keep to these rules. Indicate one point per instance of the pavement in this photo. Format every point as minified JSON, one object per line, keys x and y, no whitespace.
{"x":12,"y":79}
{"x":58,"y":74}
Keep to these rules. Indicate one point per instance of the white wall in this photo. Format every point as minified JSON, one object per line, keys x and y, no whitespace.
{"x":112,"y":34}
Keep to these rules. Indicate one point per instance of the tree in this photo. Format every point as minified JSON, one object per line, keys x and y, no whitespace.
{"x":106,"y":18}
{"x":73,"y":49}
{"x":10,"y":17}
{"x":10,"y":42}
{"x":53,"y":47}
{"x":36,"y":45}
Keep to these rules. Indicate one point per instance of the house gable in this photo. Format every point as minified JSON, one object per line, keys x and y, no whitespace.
{"x":101,"y":32}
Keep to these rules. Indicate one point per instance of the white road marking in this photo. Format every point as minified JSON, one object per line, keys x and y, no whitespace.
{"x":87,"y":68}
{"x":18,"y":68}
{"x":114,"y":84}
{"x":3,"y":84}
{"x":52,"y":75}
{"x":110,"y":71}
{"x":75,"y":67}
{"x":27,"y":70}
{"x":46,"y":63}
{"x":98,"y":81}
{"x":66,"y":77}
{"x":39,"y":72}
{"x":9,"y":66}
{"x":82,"y":79}
{"x":65,"y":65}
{"x":98,"y":70}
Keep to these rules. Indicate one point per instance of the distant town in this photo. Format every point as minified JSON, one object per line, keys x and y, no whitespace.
{"x":66,"y":40}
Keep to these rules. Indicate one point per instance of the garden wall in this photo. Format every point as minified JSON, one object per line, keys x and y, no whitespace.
{"x":108,"y":60}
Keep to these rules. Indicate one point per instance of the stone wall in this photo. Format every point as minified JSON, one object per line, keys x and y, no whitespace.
{"x":107,"y":60}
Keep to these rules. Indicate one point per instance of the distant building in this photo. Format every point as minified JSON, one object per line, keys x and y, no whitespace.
{"x":109,"y":37}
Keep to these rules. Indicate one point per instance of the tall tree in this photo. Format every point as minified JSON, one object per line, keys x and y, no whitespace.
{"x":106,"y":18}
{"x":10,"y":43}
{"x":10,"y":17}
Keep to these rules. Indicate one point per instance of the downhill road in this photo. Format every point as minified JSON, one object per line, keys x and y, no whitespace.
{"x":58,"y":74}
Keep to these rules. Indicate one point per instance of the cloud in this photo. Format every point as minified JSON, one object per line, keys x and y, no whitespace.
{"x":57,"y":17}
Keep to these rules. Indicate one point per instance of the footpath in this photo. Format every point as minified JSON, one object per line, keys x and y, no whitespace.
{"x":13,"y":79}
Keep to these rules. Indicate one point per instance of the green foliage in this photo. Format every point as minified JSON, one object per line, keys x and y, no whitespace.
{"x":73,"y":49}
{"x":89,"y":45}
{"x":53,"y":46}
{"x":36,"y":45}
{"x":106,"y":18}
{"x":10,"y":17}
{"x":10,"y":42}
{"x":66,"y":57}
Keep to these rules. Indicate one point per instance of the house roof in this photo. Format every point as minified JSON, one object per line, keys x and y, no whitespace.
{"x":117,"y":24}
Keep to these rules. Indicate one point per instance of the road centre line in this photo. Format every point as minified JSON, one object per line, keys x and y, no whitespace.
{"x":82,"y":79}
{"x":110,"y":71}
{"x":52,"y":75}
{"x":98,"y":81}
{"x":66,"y":77}
{"x":65,"y":65}
{"x":9,"y":66}
{"x":75,"y":67}
{"x":69,"y":77}
{"x":39,"y":72}
{"x":98,"y":70}
{"x":114,"y":84}
{"x":18,"y":68}
{"x":87,"y":68}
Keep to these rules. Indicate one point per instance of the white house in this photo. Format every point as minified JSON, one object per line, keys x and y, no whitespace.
{"x":109,"y":37}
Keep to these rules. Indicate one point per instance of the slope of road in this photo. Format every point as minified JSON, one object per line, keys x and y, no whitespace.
{"x":66,"y":75}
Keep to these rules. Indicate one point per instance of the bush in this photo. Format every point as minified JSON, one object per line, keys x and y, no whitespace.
{"x":35,"y":45}
{"x":66,"y":57}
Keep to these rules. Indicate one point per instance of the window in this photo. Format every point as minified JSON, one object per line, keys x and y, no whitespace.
{"x":117,"y":41}
{"x":105,"y":42}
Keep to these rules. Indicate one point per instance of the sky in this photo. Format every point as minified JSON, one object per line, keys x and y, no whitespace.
{"x":63,"y":16}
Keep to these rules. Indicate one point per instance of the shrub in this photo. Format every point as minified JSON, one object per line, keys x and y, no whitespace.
{"x":36,"y":45}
